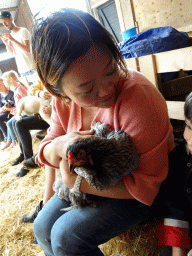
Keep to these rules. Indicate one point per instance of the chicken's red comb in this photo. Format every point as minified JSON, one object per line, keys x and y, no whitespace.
{"x":70,"y":157}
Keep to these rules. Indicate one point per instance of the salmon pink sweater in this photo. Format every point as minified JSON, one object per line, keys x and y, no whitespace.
{"x":141,"y":111}
{"x":20,"y":92}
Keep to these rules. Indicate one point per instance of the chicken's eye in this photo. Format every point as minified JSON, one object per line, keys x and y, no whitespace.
{"x":81,"y":154}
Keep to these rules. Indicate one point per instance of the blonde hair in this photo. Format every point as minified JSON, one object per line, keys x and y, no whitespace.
{"x":12,"y":74}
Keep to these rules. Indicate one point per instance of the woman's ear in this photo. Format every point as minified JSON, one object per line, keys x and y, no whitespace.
{"x":65,"y":97}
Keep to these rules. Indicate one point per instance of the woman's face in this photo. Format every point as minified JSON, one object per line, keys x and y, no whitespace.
{"x":91,"y":80}
{"x":188,"y":134}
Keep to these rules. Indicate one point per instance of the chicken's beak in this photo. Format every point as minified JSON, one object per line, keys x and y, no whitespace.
{"x":71,"y":168}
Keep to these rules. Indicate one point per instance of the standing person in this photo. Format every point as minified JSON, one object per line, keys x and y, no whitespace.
{"x":87,"y":75}
{"x":176,"y":230}
{"x":17,"y":44}
{"x":11,"y":79}
{"x":5,"y":113}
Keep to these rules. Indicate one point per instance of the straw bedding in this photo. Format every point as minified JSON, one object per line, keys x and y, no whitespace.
{"x":20,"y":195}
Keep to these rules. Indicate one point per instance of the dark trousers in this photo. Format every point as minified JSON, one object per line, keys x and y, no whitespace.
{"x":22,"y":130}
{"x":4,"y":117}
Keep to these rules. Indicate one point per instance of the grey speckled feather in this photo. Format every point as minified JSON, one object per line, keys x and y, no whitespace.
{"x":114,"y":156}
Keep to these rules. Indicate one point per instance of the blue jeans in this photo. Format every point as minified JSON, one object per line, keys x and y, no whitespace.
{"x":11,"y":135}
{"x":4,"y":117}
{"x":80,"y":231}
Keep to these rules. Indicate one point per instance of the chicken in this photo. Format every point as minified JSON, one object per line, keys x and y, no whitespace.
{"x":103,"y":160}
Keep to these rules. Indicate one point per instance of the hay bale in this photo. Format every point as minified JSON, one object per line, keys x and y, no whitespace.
{"x":20,"y":195}
{"x":140,"y":241}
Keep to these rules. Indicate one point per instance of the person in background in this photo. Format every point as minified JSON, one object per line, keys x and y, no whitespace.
{"x":17,"y":44}
{"x":11,"y":79}
{"x":22,"y":129}
{"x":87,"y":76}
{"x":176,"y":193}
{"x":6,"y":95}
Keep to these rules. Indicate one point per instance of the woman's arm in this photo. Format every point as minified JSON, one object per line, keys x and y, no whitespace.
{"x":117,"y":191}
{"x":49,"y":181}
{"x":56,"y":149}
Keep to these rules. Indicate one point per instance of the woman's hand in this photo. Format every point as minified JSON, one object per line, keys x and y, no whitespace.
{"x":56,"y":150}
{"x":67,"y":177}
{"x":70,"y":138}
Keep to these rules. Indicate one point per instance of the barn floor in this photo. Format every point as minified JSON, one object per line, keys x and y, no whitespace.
{"x":20,"y":195}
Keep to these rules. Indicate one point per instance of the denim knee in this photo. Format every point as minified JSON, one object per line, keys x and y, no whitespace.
{"x":9,"y":123}
{"x":41,"y":231}
{"x":69,"y":240}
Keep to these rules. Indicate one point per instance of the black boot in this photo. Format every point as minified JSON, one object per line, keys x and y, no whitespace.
{"x":30,"y":162}
{"x":30,"y":216}
{"x":40,"y":136}
{"x":18,"y":160}
{"x":22,"y":172}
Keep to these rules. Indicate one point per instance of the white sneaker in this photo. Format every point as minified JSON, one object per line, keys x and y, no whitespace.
{"x":5,"y":145}
{"x":10,"y":146}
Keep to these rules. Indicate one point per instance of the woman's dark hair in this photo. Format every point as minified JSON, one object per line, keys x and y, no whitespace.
{"x":188,"y":107}
{"x":63,"y":37}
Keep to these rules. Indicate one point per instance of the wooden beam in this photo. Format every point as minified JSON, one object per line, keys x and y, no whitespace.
{"x":174,"y":60}
{"x":187,"y":28}
{"x":132,"y":63}
{"x":10,"y":9}
{"x":148,"y":68}
{"x":120,"y":15}
{"x":99,"y":3}
{"x":176,"y":109}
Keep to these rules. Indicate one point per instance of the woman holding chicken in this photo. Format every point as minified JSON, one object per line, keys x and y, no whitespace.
{"x":79,"y":63}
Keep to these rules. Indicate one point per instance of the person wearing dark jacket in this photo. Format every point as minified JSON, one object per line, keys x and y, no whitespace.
{"x":176,"y":194}
{"x":6,"y":96}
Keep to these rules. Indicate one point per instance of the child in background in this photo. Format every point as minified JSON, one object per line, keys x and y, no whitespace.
{"x":6,"y":95}
{"x":11,"y":79}
{"x":22,"y":129}
{"x":176,"y":192}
